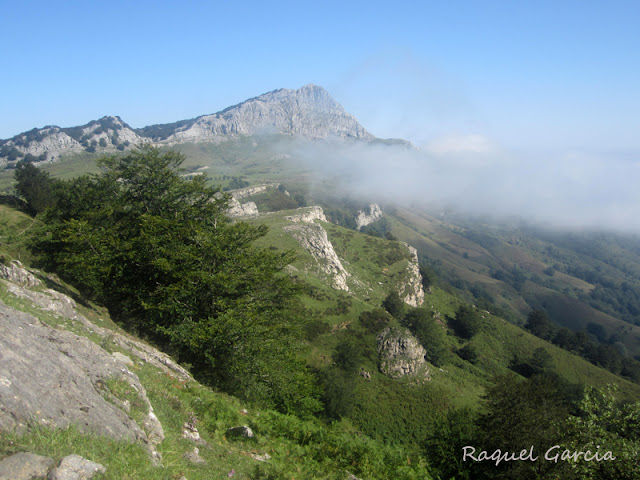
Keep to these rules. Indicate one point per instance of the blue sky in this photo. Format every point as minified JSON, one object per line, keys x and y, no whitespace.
{"x":527,"y":75}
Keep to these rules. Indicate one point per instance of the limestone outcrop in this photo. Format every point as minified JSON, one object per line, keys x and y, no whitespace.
{"x":367,"y":218}
{"x":237,"y":209}
{"x":57,"y":378}
{"x":314,"y":239}
{"x":401,"y":354}
{"x":307,"y":215}
{"x":411,"y":291}
{"x":29,"y":466}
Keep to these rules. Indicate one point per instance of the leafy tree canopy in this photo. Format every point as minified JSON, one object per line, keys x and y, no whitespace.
{"x":34,"y":185}
{"x":158,"y":250}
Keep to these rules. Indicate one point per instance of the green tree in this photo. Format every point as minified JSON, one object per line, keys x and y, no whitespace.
{"x":430,"y":335}
{"x":539,"y":324}
{"x":394,"y":305}
{"x":521,"y":414}
{"x":158,"y":250}
{"x":35,"y":186}
{"x":467,"y":322}
{"x":450,"y":434}
{"x":602,"y":425}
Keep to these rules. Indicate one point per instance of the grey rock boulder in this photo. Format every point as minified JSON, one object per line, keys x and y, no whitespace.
{"x":74,"y":467}
{"x":24,"y":466}
{"x":56,"y":378}
{"x":401,"y":354}
{"x":244,"y":432}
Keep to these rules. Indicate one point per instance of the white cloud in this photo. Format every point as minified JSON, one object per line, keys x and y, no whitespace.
{"x":460,"y":144}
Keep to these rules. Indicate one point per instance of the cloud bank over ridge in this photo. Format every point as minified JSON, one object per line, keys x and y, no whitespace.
{"x":474,"y":175}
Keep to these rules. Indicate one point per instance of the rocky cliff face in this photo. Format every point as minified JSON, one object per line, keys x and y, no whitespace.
{"x":401,"y":354}
{"x":309,"y":111}
{"x":367,"y":218}
{"x":411,"y":290}
{"x":315,"y":240}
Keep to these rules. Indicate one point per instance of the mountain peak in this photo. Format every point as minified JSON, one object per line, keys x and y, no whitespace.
{"x":309,"y":111}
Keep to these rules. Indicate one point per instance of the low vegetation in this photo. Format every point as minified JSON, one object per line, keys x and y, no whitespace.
{"x":241,"y":304}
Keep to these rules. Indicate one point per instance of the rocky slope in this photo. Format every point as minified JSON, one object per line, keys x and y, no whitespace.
{"x":314,"y":239}
{"x":109,"y":134}
{"x":309,"y":111}
{"x":57,"y":378}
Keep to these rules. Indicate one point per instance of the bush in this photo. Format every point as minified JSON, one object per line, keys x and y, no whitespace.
{"x":467,"y":322}
{"x":430,"y":335}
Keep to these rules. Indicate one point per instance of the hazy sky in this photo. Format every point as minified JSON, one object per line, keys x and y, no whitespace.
{"x":561,"y":75}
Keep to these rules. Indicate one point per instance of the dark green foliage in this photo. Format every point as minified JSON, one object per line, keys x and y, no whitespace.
{"x":451,"y":432}
{"x":396,"y":413}
{"x":539,"y":324}
{"x":602,"y":425}
{"x":14,"y":154}
{"x":314,"y":328}
{"x":235,"y":183}
{"x":380,"y":228}
{"x":161,"y":254}
{"x":428,"y":275}
{"x":348,"y":355}
{"x":430,"y":335}
{"x":606,"y":356}
{"x":540,"y":362}
{"x":35,"y":186}
{"x":467,"y":322}
{"x":598,"y":331}
{"x":394,"y":305}
{"x":519,"y":415}
{"x":163,"y":131}
{"x":468,"y":353}
{"x":338,"y":393}
{"x":102,"y":142}
{"x":375,"y":321}
{"x":274,"y":200}
{"x":343,"y":304}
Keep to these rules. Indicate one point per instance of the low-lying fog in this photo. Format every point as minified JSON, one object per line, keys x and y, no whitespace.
{"x":558,"y":189}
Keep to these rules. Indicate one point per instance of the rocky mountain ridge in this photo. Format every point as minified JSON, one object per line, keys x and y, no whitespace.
{"x":309,"y":111}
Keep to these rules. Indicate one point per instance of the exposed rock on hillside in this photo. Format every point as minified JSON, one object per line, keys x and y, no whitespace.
{"x":411,"y":291}
{"x":401,"y":354}
{"x":50,"y":300}
{"x":363,"y":218}
{"x":237,"y":209}
{"x":308,"y":215}
{"x":314,"y":239}
{"x":241,"y":193}
{"x":57,"y":378}
{"x":49,"y":143}
{"x":309,"y":111}
{"x":16,"y":273}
